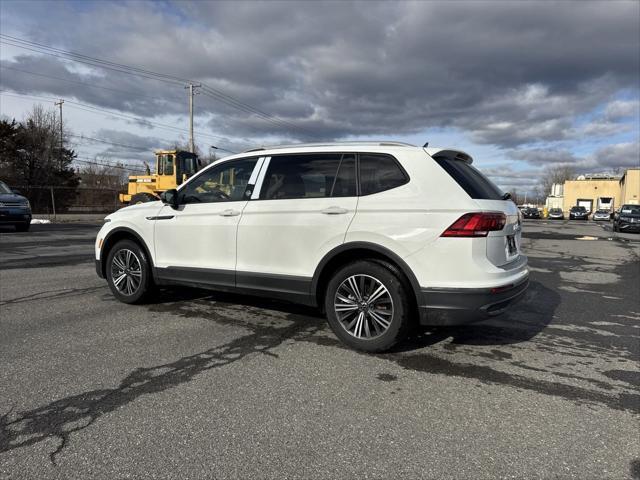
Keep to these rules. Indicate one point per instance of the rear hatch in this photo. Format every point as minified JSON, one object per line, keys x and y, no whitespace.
{"x":503,"y":246}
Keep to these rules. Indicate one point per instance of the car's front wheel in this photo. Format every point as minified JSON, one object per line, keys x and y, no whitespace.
{"x":128,"y":272}
{"x":22,"y":227}
{"x":367,"y":305}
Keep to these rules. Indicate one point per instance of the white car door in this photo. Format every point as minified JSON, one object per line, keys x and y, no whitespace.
{"x":197,"y":241}
{"x":300,"y":210}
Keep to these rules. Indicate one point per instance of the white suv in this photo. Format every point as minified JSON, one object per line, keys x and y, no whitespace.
{"x":381,"y":235}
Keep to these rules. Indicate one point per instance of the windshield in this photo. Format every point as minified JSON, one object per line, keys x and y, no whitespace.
{"x":4,"y":188}
{"x":555,"y":210}
{"x":578,"y":209}
{"x":632,"y":209}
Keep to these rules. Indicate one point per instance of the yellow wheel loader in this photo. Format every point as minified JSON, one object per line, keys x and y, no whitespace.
{"x":172,"y":168}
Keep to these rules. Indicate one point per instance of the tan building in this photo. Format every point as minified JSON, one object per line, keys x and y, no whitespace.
{"x":602,"y":191}
{"x":630,"y":187}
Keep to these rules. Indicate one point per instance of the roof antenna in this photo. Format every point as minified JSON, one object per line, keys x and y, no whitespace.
{"x":425,"y":145}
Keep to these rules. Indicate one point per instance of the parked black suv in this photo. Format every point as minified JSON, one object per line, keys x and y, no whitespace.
{"x":628,"y":219}
{"x":531,"y":213}
{"x":578,"y":213}
{"x":14,"y":209}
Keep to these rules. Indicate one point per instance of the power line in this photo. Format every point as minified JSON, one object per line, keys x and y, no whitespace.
{"x":132,"y":147}
{"x":70,"y":56}
{"x":93,"y":109}
{"x":87,"y":84}
{"x":212,"y":92}
{"x":105,"y":164}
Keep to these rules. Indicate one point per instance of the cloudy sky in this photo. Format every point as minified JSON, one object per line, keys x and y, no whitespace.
{"x":519,"y":85}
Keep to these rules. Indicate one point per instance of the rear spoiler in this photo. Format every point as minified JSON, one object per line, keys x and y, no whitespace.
{"x":450,"y":154}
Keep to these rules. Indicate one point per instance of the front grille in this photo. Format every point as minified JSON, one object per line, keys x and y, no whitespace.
{"x":13,"y":204}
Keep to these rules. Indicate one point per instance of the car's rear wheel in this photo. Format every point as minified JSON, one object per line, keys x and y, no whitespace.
{"x":367,"y":306}
{"x":128,"y":272}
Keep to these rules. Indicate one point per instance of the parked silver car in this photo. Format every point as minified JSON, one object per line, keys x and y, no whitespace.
{"x":556,"y":214}
{"x":604,"y":215}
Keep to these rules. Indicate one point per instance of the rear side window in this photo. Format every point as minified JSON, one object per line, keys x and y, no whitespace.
{"x":470,"y":179}
{"x":379,"y":173}
{"x":310,"y":176}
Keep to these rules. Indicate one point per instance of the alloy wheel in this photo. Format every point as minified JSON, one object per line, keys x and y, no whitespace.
{"x":126,"y":272}
{"x":363,"y":306}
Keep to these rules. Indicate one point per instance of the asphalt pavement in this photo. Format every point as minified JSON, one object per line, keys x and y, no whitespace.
{"x":208,"y":385}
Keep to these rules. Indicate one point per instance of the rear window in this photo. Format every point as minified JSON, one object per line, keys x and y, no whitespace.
{"x":470,"y":179}
{"x":310,"y":176}
{"x":379,"y":172}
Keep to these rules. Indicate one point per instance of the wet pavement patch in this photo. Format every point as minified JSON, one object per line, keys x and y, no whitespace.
{"x":386,"y":377}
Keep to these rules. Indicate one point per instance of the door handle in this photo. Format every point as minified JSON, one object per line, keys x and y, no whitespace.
{"x":229,"y":212}
{"x":334,"y":211}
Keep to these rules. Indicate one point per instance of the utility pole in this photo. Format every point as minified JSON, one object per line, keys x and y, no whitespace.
{"x":192,"y":92}
{"x":59,"y":104}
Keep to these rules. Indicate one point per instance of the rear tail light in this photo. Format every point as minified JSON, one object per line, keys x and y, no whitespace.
{"x":477,"y":224}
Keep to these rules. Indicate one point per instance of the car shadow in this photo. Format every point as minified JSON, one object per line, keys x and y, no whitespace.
{"x":520,"y":323}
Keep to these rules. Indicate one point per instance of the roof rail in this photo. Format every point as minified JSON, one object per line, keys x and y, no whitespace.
{"x":331,"y":144}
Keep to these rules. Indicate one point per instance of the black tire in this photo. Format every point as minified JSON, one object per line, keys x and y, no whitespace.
{"x":400,"y":313}
{"x":143,"y":198}
{"x":22,"y":227}
{"x":145,"y":285}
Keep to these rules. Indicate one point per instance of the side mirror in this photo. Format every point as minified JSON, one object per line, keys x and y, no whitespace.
{"x":170,"y":197}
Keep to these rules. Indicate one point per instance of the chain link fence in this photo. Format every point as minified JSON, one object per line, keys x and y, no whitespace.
{"x":51,"y":201}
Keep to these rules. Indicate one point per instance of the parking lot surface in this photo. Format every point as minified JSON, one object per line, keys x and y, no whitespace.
{"x":206,"y":385}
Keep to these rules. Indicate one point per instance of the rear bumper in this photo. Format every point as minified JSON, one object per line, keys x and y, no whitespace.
{"x":459,"y":306}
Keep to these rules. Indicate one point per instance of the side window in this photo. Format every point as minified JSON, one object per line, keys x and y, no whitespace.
{"x":379,"y":173}
{"x":309,"y":176}
{"x":167,"y":161}
{"x":224,"y":183}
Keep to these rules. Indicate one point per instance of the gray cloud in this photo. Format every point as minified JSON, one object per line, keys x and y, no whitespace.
{"x":607,"y":158}
{"x":506,"y":73}
{"x":620,"y":109}
{"x":619,"y":155}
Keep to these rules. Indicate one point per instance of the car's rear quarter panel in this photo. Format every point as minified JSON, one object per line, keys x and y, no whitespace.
{"x":409,"y":220}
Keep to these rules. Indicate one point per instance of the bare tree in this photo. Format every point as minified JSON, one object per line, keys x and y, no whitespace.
{"x":553,"y":175}
{"x":103,"y":176}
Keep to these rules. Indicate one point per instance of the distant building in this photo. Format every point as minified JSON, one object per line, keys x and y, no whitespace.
{"x":556,"y":197}
{"x":602,"y":190}
{"x":630,"y":186}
